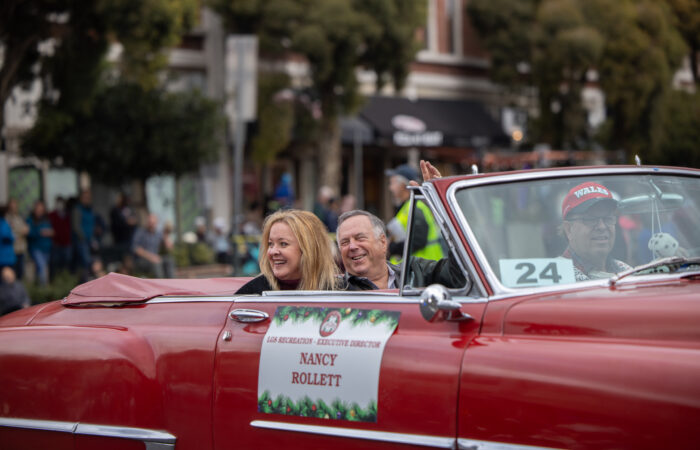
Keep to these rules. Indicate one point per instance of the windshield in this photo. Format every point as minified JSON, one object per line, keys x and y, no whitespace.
{"x":567,"y":230}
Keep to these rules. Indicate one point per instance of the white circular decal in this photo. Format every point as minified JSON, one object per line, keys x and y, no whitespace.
{"x":408,"y":123}
{"x":330,"y":323}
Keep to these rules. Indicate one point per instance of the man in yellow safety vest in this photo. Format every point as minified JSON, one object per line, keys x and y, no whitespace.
{"x":426,"y":235}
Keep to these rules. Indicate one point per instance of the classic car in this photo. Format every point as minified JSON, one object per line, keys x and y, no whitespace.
{"x":524,"y":353}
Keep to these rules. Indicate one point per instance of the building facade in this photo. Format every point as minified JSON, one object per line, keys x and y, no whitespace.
{"x":449,"y":81}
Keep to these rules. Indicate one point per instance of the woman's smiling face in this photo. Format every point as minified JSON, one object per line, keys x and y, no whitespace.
{"x":284,"y":252}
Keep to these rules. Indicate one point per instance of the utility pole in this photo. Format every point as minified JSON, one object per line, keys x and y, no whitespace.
{"x":241,"y":99}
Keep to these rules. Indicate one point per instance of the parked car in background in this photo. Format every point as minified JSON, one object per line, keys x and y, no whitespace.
{"x":532,"y":350}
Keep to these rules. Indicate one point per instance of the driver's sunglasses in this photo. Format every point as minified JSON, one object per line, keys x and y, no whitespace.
{"x":591,"y":221}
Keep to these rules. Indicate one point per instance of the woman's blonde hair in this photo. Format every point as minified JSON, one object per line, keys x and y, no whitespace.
{"x":318,"y":268}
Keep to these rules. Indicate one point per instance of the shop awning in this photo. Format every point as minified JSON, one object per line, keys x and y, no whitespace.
{"x":355,"y":130}
{"x":401,"y":122}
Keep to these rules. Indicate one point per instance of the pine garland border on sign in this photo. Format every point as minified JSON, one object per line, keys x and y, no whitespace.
{"x":306,"y":407}
{"x":301,"y":314}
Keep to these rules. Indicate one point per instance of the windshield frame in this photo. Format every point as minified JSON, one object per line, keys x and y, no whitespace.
{"x":428,"y":194}
{"x":497,"y":287}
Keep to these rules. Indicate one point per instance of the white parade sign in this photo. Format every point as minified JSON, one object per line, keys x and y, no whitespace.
{"x":324,"y":362}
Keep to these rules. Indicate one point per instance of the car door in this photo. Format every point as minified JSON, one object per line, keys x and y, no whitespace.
{"x":343,"y":369}
{"x":416,"y":375}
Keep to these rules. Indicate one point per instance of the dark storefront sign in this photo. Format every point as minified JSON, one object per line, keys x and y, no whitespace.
{"x":400,"y":122}
{"x":413,"y":132}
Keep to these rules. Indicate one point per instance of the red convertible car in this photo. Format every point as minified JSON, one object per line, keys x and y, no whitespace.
{"x":574,"y":323}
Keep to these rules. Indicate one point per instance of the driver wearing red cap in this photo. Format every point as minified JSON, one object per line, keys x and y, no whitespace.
{"x":589,"y":212}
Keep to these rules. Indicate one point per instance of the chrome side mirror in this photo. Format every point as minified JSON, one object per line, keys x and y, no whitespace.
{"x":436,"y":298}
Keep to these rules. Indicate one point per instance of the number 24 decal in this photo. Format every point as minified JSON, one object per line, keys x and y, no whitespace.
{"x":549,"y":272}
{"x":525,"y":272}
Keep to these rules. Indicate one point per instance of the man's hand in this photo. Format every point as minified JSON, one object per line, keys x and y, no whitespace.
{"x":429,"y":172}
{"x":148,"y":256}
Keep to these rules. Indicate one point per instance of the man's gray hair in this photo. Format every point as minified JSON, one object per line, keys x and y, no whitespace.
{"x":402,"y":179}
{"x":377,"y":223}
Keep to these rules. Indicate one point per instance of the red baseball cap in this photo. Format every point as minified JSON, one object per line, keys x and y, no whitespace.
{"x":589,"y":193}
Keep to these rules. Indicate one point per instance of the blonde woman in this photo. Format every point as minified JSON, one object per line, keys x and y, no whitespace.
{"x":295,"y":253}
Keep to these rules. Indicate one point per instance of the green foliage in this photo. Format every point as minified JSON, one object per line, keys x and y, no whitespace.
{"x":564,"y":48}
{"x":130,"y":133}
{"x":201,"y":253}
{"x":153,"y":25}
{"x":505,"y":28}
{"x":676,"y":142}
{"x":302,"y":314}
{"x":687,"y":15}
{"x":390,"y":52}
{"x":642,"y":51}
{"x":82,"y":31}
{"x":196,"y":254}
{"x":632,"y":44}
{"x":275,"y":118}
{"x":181,"y":255}
{"x":336,"y":37}
{"x":59,"y":288}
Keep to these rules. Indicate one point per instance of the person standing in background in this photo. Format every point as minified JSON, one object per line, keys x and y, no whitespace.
{"x":123,"y":223}
{"x":13,"y":296}
{"x":20,"y":229}
{"x":167,"y":250}
{"x":426,"y":235}
{"x":347,"y":203}
{"x":284,"y":192}
{"x":200,"y":229}
{"x":325,"y":208}
{"x":61,"y":251}
{"x":147,"y":248}
{"x":39,"y":241}
{"x":7,"y":240}
{"x":83,"y":227}
{"x":220,"y":241}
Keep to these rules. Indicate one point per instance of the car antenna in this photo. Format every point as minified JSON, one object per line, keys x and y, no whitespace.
{"x":475,"y":169}
{"x":638,"y":160}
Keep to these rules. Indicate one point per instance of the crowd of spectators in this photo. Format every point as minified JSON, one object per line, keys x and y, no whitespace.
{"x":74,"y":238}
{"x":65,"y":239}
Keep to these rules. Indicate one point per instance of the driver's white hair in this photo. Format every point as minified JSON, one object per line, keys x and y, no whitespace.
{"x":377,"y":223}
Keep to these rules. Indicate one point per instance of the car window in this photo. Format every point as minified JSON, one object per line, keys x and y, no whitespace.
{"x":429,"y":259}
{"x":520,"y":230}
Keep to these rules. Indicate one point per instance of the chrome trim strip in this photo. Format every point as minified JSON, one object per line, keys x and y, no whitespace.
{"x":576,"y":172}
{"x":43,"y":425}
{"x":384,"y":436}
{"x":269,"y":299}
{"x":472,"y":444}
{"x":139,"y":434}
{"x":498,"y":288}
{"x":159,"y":446}
{"x":154,"y":439}
{"x":395,"y":300}
{"x":166,"y":299}
{"x":322,"y":293}
{"x":306,"y":297}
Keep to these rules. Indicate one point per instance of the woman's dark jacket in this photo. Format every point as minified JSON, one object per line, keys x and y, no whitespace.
{"x":255,"y":286}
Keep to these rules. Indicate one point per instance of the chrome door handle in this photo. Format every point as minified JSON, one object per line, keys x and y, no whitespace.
{"x":248,"y":315}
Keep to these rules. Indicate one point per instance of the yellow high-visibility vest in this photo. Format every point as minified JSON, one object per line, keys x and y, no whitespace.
{"x":432,"y":250}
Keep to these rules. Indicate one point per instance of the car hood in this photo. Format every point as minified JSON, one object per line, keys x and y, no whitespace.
{"x":661,"y":311}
